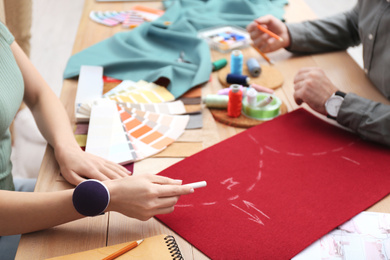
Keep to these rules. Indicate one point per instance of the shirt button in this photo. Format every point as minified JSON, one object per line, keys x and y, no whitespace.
{"x":366,"y":71}
{"x":388,"y":1}
{"x":370,"y":36}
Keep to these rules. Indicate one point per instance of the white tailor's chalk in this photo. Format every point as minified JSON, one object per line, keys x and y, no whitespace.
{"x":196,"y":185}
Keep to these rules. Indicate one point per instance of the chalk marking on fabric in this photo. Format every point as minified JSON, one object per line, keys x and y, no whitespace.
{"x":251,"y":205}
{"x":318,"y":154}
{"x":209,"y":203}
{"x":337,"y":149}
{"x":253,"y":218}
{"x":234,"y":197}
{"x":232,"y":183}
{"x":251,"y":187}
{"x":271,"y":149}
{"x":295,"y":154}
{"x":253,"y":138}
{"x":352,"y":161}
{"x":259,"y":173}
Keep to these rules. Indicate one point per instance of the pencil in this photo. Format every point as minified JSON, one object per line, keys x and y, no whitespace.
{"x":123,"y":250}
{"x":262,"y":54}
{"x":265,"y":30}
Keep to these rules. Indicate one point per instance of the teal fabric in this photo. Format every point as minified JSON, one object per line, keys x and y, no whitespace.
{"x":151,"y":51}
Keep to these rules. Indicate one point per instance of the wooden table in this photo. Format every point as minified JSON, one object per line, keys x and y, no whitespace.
{"x":113,"y":228}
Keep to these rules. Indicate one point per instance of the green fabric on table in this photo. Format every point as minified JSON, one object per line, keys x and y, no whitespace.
{"x":152,"y":50}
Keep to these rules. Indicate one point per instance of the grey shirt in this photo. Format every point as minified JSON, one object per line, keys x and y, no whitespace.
{"x":367,"y":23}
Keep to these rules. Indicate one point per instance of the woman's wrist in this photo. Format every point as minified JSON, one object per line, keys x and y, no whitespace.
{"x":91,"y":198}
{"x":112,"y":186}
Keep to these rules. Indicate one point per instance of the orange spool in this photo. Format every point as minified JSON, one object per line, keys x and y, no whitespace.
{"x":235,"y":101}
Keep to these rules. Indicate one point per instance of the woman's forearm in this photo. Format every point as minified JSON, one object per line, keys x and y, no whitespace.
{"x":24,"y":212}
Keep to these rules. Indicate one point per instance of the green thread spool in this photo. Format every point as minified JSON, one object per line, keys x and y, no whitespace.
{"x":219,"y":64}
{"x":265,"y":113}
{"x":216,"y":101}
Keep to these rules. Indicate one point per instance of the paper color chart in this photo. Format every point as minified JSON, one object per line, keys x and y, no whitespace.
{"x":125,"y":135}
{"x":139,"y":92}
{"x":171,"y":108}
{"x":151,"y":132}
{"x":106,"y":137}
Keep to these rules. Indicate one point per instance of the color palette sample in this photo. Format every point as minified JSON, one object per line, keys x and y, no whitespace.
{"x":139,"y":92}
{"x":123,"y":135}
{"x":128,"y":19}
{"x":106,"y":137}
{"x":109,"y":18}
{"x":225,"y":38}
{"x":151,"y":132}
{"x":170,"y":108}
{"x":89,"y":88}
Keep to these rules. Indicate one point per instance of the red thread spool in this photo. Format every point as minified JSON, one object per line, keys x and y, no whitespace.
{"x":235,"y":101}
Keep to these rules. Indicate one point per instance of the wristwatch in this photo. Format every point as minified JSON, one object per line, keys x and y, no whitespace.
{"x":332,"y":105}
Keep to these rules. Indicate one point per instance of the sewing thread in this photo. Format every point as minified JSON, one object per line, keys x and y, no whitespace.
{"x":216,"y":101}
{"x":253,"y":67}
{"x":237,"y":79}
{"x":235,"y":101}
{"x":236,"y":62}
{"x":219,"y":64}
{"x":251,"y":95}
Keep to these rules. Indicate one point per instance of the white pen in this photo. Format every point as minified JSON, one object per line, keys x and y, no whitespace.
{"x":196,"y":185}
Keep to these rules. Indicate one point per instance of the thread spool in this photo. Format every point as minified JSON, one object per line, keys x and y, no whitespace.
{"x":237,"y":79}
{"x":225,"y":91}
{"x":262,"y":89}
{"x":264,"y":113}
{"x":216,"y":101}
{"x":235,"y":101}
{"x":251,"y":95}
{"x":253,"y":67}
{"x":236,"y":62}
{"x":219,"y":64}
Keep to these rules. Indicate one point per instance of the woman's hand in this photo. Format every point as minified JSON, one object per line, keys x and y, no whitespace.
{"x":144,"y":196}
{"x":263,"y":41}
{"x":77,"y":165}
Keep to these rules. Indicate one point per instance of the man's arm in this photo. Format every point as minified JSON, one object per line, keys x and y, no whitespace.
{"x":370,"y":119}
{"x":336,"y":32}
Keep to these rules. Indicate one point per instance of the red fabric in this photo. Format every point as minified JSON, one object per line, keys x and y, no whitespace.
{"x":276,"y":188}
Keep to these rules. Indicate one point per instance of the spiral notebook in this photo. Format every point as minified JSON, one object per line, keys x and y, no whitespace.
{"x":161,"y":247}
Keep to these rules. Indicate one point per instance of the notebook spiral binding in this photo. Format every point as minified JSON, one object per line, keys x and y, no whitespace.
{"x":173,"y":248}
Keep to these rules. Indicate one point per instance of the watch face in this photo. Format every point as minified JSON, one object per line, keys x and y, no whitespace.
{"x":333,"y":105}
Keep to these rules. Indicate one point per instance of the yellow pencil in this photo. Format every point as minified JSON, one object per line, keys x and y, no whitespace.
{"x":262,"y":54}
{"x":123,"y":250}
{"x":265,"y":30}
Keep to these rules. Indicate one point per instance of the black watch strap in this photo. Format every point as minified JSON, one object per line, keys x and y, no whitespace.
{"x":340,"y":93}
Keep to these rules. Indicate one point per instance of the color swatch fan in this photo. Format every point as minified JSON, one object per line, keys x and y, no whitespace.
{"x":125,"y":135}
{"x":139,"y":92}
{"x":106,"y":137}
{"x":150,"y":133}
{"x":171,"y":108}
